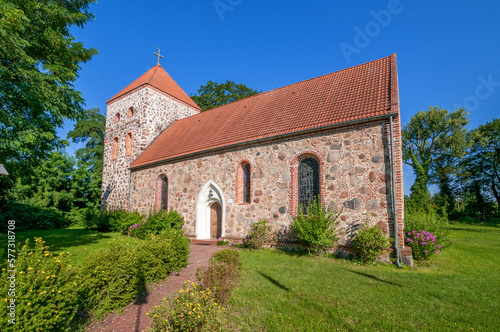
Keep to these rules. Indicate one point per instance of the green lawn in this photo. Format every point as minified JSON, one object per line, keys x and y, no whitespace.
{"x":460,"y":292}
{"x":78,"y":241}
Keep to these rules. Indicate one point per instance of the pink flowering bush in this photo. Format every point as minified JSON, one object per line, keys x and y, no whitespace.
{"x":423,"y":244}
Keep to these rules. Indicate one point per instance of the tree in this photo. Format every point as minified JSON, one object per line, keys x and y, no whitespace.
{"x":215,"y":94}
{"x":430,"y":139}
{"x":50,"y":184}
{"x":480,"y":173}
{"x":88,"y":177}
{"x":39,"y":62}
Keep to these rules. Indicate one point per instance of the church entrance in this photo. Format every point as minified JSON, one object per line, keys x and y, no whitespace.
{"x":210,"y":212}
{"x":215,"y":221}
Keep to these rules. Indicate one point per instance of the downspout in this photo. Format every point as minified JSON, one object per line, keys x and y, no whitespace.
{"x":128,"y":205}
{"x":394,"y":208}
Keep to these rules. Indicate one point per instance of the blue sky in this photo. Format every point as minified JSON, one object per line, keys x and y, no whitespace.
{"x":448,"y":51}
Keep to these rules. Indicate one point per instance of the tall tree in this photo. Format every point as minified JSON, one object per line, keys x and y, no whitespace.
{"x":215,"y":94}
{"x":39,"y":61}
{"x":49,"y":184}
{"x":429,"y":139}
{"x":88,"y":177}
{"x":480,"y":174}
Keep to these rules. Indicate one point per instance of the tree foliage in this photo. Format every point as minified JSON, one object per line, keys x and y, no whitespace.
{"x":39,"y":61}
{"x":480,"y":169}
{"x":432,"y":141}
{"x":215,"y":94}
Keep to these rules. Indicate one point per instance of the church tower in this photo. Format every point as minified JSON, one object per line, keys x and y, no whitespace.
{"x":134,"y":118}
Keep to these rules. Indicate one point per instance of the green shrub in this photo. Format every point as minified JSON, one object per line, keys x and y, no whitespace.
{"x":260,"y":234}
{"x":163,"y":254}
{"x":429,"y":222}
{"x":222,"y":274}
{"x":111,"y":278}
{"x":45,"y":291}
{"x":31,"y":217}
{"x":371,"y":242}
{"x":317,"y":228}
{"x":156,"y":222}
{"x":111,"y":221}
{"x":194,"y":309}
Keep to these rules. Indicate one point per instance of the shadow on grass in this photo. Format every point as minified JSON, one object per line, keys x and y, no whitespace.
{"x":62,"y":239}
{"x":305,"y":302}
{"x":274,"y":281}
{"x":374,"y":278}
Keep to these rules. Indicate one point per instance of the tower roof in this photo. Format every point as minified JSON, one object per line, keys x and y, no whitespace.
{"x":158,"y":78}
{"x":354,"y":94}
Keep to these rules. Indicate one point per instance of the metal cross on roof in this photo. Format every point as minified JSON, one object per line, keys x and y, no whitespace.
{"x":159,"y":56}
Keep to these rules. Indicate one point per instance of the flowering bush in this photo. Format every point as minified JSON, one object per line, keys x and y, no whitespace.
{"x":194,"y":309}
{"x":222,"y":241}
{"x":45,"y":290}
{"x":423,"y":244}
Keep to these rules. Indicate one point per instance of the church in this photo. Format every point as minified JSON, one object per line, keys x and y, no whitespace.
{"x":336,"y":137}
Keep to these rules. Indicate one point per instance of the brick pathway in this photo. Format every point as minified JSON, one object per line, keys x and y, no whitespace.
{"x":134,"y":317}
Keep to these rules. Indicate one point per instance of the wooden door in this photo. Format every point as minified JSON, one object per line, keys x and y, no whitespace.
{"x":215,"y":221}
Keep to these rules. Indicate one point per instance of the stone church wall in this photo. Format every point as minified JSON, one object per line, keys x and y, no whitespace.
{"x":144,"y":114}
{"x":355,"y":176}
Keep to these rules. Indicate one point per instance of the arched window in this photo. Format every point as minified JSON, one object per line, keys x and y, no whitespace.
{"x":161,"y":202}
{"x":117,"y":117}
{"x":128,"y":144}
{"x":308,"y":181}
{"x":246,"y":183}
{"x":114,"y":149}
{"x":131,"y":112}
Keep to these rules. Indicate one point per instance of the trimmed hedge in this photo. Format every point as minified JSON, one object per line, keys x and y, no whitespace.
{"x":157,"y":222}
{"x":111,"y":279}
{"x":50,"y":292}
{"x":164,"y":253}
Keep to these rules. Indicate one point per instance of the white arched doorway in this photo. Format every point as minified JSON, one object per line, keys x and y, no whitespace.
{"x":210,"y":209}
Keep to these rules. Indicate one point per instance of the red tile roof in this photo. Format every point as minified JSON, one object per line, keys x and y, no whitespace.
{"x":357,"y":93}
{"x":158,"y":78}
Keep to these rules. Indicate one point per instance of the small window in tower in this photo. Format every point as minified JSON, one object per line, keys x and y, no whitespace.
{"x":114,"y":151}
{"x":131,"y":111}
{"x":128,"y":144}
{"x":117,"y":117}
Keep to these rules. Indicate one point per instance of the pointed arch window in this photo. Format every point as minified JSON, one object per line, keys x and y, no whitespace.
{"x":128,"y":144}
{"x":162,"y":193}
{"x":117,"y":118}
{"x":114,"y":148}
{"x":246,"y":183}
{"x":308,"y":181}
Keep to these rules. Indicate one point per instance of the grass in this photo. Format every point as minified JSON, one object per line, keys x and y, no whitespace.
{"x":459,"y":292}
{"x":76,"y":240}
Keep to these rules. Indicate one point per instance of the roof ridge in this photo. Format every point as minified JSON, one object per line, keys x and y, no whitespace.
{"x":338,"y":98}
{"x":289,"y":85}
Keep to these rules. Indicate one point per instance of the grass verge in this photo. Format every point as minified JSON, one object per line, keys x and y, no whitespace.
{"x":459,"y":292}
{"x":78,"y":241}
